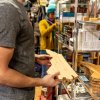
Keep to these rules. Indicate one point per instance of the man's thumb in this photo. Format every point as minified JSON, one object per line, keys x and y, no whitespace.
{"x":56,"y":74}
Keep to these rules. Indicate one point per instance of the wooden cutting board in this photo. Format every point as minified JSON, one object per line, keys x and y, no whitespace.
{"x":59,"y":64}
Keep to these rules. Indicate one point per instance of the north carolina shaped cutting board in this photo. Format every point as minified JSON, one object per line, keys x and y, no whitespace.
{"x":59,"y":64}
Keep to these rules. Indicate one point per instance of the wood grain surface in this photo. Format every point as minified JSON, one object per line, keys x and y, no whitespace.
{"x":59,"y":64}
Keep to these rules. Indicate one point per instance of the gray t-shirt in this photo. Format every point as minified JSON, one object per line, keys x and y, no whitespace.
{"x":16,"y":32}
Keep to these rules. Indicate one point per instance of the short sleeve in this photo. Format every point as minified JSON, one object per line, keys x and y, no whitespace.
{"x":9,"y":25}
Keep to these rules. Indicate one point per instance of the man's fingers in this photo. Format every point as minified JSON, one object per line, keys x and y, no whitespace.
{"x":56,"y":74}
{"x":48,"y":57}
{"x":49,"y":64}
{"x":45,"y":57}
{"x":57,"y":82}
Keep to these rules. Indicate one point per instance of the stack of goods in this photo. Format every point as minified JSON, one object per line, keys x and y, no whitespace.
{"x":95,"y":83}
{"x":94,"y":78}
{"x":68,"y":30}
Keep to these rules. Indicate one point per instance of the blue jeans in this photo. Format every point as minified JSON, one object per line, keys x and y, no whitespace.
{"x":44,"y":68}
{"x":37,"y":70}
{"x":9,"y":93}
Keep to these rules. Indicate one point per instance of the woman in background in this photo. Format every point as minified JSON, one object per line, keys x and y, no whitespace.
{"x":47,"y":29}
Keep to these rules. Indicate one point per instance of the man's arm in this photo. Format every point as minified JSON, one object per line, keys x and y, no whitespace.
{"x":13,"y":78}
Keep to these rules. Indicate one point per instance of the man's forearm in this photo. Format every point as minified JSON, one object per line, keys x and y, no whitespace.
{"x":15,"y":79}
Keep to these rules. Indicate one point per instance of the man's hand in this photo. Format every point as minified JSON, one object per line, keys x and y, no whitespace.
{"x":51,"y":80}
{"x":43,"y":59}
